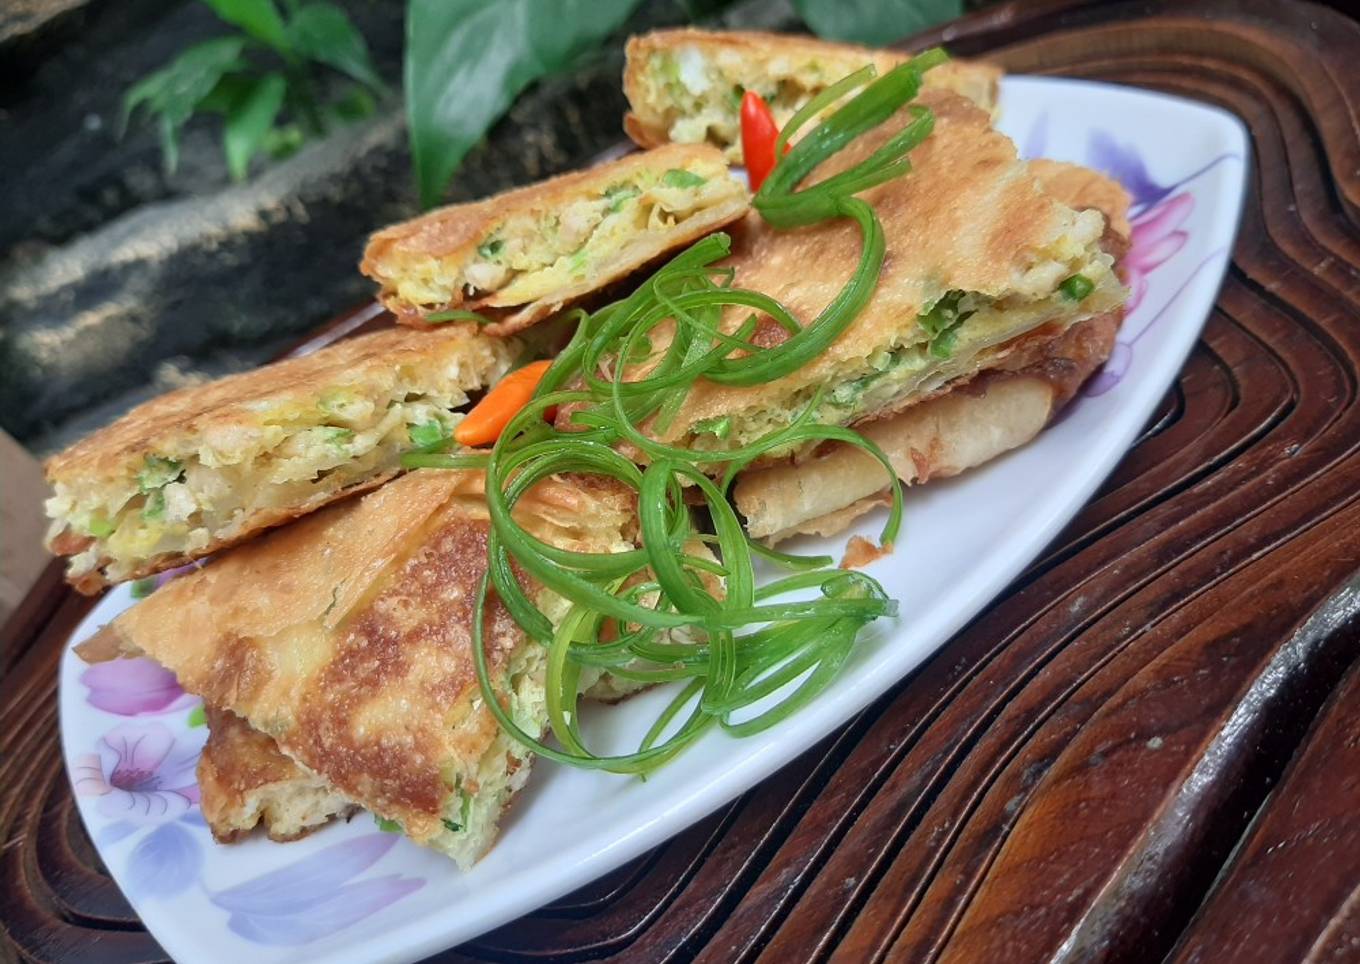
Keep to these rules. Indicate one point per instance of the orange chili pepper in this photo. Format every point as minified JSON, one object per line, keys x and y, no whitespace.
{"x":488,"y":418}
{"x":758,"y":135}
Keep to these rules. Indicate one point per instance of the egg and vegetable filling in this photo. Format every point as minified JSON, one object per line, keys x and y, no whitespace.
{"x":180,"y":499}
{"x":535,"y":253}
{"x":691,"y":92}
{"x":958,"y":334}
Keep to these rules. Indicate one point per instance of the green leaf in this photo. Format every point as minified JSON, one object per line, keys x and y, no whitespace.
{"x":175,"y":91}
{"x":355,"y":104}
{"x":249,"y":122}
{"x":467,"y":60}
{"x":323,"y":32}
{"x":168,"y":131}
{"x":450,"y":826}
{"x":283,"y":141}
{"x":143,"y":588}
{"x":223,"y":97}
{"x":197,"y":717}
{"x":874,"y":22}
{"x":259,"y":18}
{"x":385,"y":825}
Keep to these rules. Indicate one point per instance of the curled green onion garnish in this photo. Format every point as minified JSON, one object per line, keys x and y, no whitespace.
{"x":821,"y":102}
{"x":684,"y":606}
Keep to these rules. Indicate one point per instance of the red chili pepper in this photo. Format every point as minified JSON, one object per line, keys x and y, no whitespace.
{"x":488,"y":418}
{"x":758,"y":135}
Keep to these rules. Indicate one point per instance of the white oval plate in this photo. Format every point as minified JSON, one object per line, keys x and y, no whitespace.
{"x":353,"y":893}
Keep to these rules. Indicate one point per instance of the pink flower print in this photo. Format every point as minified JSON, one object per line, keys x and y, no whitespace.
{"x":1154,"y":238}
{"x":134,"y":687}
{"x":139,"y":774}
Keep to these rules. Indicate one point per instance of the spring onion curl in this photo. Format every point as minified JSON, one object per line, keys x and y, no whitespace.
{"x":685,"y":606}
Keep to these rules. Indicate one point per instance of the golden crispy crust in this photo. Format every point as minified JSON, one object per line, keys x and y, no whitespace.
{"x":968,"y":217}
{"x":642,"y":135}
{"x":1081,"y":188}
{"x":646,"y":126}
{"x":453,"y":233}
{"x":347,"y":635}
{"x":244,"y":780}
{"x":236,"y":401}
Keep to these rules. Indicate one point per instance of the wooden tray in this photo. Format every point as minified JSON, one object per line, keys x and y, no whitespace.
{"x":1147,"y":747}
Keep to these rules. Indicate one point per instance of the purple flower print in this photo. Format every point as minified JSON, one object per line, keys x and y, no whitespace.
{"x":134,"y":687}
{"x":314,"y":897}
{"x":164,"y":863}
{"x":1154,"y":237}
{"x":1125,"y":165}
{"x":139,"y":774}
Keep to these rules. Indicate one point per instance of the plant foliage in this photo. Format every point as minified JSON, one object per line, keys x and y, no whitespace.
{"x":267,"y":81}
{"x":467,"y":60}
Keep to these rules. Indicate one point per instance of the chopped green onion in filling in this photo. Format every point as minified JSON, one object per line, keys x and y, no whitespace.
{"x":942,"y":323}
{"x":719,"y":427}
{"x":158,"y":472}
{"x":99,"y":526}
{"x":490,"y":248}
{"x":142,"y":588}
{"x":676,"y":177}
{"x":427,"y":434}
{"x":1077,"y":287}
{"x":154,"y":509}
{"x":338,"y":438}
{"x":457,"y":314}
{"x":618,"y":195}
{"x":387,"y":826}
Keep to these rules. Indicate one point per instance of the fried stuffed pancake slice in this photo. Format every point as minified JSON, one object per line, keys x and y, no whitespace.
{"x":244,"y":780}
{"x":971,"y":229}
{"x":999,"y":410}
{"x":207,"y":466}
{"x":524,"y":254}
{"x":347,"y":638}
{"x":685,"y":86}
{"x":967,"y":422}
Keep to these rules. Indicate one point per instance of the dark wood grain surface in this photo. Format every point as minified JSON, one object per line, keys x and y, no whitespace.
{"x":1148,"y":748}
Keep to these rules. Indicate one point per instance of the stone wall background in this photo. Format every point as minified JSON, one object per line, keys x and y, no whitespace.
{"x":118,"y":282}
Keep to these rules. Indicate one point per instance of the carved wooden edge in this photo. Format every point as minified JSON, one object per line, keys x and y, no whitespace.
{"x":24,"y":625}
{"x":1301,"y":842}
{"x":942,"y":822}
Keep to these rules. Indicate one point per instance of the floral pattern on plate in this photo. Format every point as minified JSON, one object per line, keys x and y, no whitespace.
{"x":1156,"y":215}
{"x":347,"y":895}
{"x":141,"y":777}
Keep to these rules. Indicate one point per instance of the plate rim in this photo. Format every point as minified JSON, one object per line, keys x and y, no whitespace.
{"x":419,"y":937}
